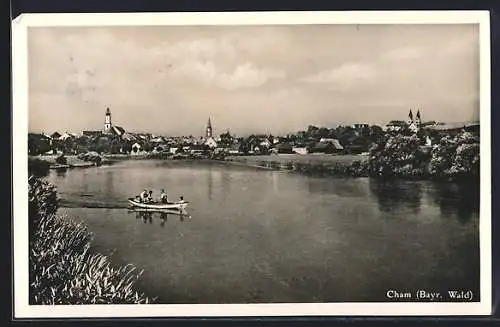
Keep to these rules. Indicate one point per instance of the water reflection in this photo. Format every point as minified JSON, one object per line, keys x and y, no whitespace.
{"x":453,"y":199}
{"x":343,"y":187}
{"x":393,"y":195}
{"x":226,"y":183}
{"x":109,"y":187}
{"x":210,"y":183}
{"x":460,"y":199}
{"x":147,"y":215}
{"x":61,"y":172}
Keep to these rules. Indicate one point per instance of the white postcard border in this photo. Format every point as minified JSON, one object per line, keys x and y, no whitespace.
{"x":20,"y":26}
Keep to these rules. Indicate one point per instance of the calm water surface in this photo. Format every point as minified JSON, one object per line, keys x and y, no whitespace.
{"x":266,"y":236}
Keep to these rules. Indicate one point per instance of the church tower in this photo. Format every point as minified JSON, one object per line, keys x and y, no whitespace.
{"x":410,"y":118}
{"x":418,"y":120}
{"x":107,"y":122}
{"x":208,"y":132}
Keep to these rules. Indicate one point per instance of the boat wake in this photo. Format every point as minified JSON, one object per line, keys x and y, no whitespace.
{"x":92,"y":204}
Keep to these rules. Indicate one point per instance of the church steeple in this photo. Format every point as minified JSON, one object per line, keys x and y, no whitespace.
{"x":208,"y":132}
{"x":418,"y":120}
{"x":107,"y":121}
{"x":410,"y":117}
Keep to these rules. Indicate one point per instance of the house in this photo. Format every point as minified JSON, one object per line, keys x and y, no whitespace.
{"x":55,"y":135}
{"x":428,"y":124}
{"x":326,"y":146}
{"x":284,"y":148}
{"x":158,"y":140}
{"x":66,"y":136}
{"x":395,"y":126}
{"x":198,"y":148}
{"x":335,"y":142}
{"x":211,"y":143}
{"x":234,"y":149}
{"x":360,"y":127}
{"x":322,"y":148}
{"x":117,"y":130}
{"x":128,"y":137}
{"x":428,"y":141}
{"x":448,"y":127}
{"x":136,"y":148}
{"x":265,"y":143}
{"x":300,"y":150}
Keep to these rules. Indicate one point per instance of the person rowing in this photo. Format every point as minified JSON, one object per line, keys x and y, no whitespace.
{"x":163,"y":196}
{"x":144,"y":196}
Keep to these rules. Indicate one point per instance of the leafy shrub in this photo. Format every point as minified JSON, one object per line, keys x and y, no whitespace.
{"x":43,"y":200}
{"x":399,"y":155}
{"x":91,"y":156}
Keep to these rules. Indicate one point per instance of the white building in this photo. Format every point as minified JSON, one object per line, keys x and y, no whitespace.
{"x":300,"y":150}
{"x":211,"y":143}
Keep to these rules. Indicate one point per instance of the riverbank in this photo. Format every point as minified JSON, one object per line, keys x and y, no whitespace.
{"x":397,"y":156}
{"x":71,"y":161}
{"x":347,"y":165}
{"x":63,"y":268}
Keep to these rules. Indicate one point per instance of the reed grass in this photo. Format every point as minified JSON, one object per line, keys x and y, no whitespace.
{"x":63,"y":267}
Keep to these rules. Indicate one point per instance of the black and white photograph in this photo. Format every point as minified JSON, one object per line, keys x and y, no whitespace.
{"x":247,"y":164}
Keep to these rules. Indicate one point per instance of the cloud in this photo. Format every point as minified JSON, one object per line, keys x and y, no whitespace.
{"x":245,"y":75}
{"x":291,"y":75}
{"x":204,"y":49}
{"x":345,"y":75}
{"x":411,"y":52}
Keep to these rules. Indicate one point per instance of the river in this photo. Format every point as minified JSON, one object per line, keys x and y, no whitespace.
{"x":259,"y":236}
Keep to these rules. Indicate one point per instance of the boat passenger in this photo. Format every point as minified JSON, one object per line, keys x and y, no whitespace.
{"x":182,"y":200}
{"x":163,"y":196}
{"x":144,"y":196}
{"x":150,"y":198}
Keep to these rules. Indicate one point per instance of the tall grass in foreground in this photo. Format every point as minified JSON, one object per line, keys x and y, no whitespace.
{"x":63,"y":268}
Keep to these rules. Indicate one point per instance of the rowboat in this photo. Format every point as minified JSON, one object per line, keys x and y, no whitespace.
{"x":158,"y":206}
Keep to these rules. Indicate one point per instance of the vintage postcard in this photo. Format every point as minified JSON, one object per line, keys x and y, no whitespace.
{"x":251,"y":164}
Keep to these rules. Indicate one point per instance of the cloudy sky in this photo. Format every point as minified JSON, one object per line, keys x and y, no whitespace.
{"x":249,"y":79}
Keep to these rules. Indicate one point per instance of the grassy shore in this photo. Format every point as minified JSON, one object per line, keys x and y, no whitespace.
{"x":306,"y":164}
{"x":63,"y":268}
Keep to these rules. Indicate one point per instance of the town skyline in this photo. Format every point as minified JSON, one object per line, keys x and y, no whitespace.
{"x":217,"y":132}
{"x":252,"y":79}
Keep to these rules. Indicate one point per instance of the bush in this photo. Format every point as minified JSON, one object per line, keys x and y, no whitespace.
{"x":38,"y":167}
{"x":43,"y":200}
{"x":61,"y":160}
{"x":90,"y":157}
{"x":63,"y":269}
{"x":404,"y":156}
